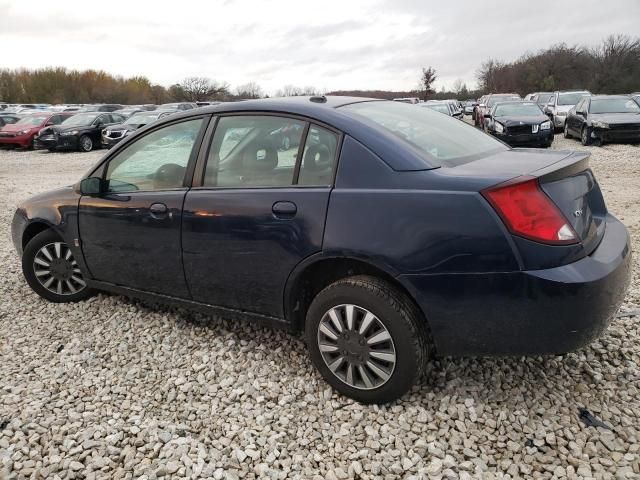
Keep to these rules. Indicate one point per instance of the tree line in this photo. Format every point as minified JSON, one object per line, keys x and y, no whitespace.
{"x":611,"y":67}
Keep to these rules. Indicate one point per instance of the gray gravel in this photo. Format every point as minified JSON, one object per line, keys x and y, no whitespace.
{"x":112,"y":388}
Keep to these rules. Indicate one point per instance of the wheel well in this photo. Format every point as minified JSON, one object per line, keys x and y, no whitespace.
{"x":32,"y":230}
{"x":319,"y":275}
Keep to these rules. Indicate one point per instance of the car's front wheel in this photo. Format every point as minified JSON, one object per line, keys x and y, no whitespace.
{"x":367,"y":339}
{"x":51,"y":270}
{"x":585,"y":138}
{"x":85,"y":143}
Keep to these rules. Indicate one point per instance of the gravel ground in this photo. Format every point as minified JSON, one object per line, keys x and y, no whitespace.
{"x":112,"y":388}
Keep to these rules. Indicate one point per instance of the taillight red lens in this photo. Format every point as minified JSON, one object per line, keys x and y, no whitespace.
{"x":528,"y":212}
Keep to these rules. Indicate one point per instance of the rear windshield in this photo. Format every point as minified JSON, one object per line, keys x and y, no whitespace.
{"x":524,"y":109}
{"x":614,"y":105}
{"x":438,"y":136}
{"x":571,"y":98}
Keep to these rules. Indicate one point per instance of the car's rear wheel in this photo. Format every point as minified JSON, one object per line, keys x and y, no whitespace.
{"x":584,"y":136}
{"x":51,"y":270}
{"x":85,"y":143}
{"x":367,"y":339}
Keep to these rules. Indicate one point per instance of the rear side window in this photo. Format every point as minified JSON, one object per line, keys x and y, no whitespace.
{"x":254,"y":151}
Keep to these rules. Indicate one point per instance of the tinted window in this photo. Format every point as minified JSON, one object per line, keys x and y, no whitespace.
{"x":517,"y":109}
{"x":544,"y":98}
{"x":431,"y":133}
{"x":319,"y":157}
{"x":32,"y":120}
{"x":80,"y":119}
{"x":156,"y":161}
{"x":571,"y":98}
{"x":613,"y":105}
{"x":493,"y":100}
{"x":253,"y":151}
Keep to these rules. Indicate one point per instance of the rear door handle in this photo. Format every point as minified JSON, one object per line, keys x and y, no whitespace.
{"x":284,"y":209}
{"x":158,"y":210}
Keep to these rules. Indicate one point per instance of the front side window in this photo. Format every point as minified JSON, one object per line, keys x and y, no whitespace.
{"x":80,"y":119}
{"x":157,"y":161}
{"x":431,"y":133}
{"x":253,"y":151}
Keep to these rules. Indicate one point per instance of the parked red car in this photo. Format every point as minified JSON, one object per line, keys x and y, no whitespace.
{"x":21,"y":133}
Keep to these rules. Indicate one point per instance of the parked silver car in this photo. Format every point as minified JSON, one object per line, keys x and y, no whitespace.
{"x":560,"y":103}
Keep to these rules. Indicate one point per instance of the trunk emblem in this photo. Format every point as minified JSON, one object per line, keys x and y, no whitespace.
{"x":577,"y":213}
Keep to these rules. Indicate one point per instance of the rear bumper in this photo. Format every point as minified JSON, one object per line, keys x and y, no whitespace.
{"x":552,"y":311}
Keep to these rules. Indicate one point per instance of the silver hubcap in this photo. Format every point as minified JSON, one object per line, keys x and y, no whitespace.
{"x":584,"y":135}
{"x":57,"y":271}
{"x":356,"y":346}
{"x":86,"y":143}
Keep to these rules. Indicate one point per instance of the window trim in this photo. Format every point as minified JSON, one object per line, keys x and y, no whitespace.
{"x":203,"y":158}
{"x":186,"y":181}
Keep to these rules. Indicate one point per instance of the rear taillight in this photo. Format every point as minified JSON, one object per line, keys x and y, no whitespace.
{"x":528,"y":212}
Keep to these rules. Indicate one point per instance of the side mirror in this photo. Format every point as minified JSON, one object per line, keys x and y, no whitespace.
{"x":487,"y":115}
{"x":481,"y":105}
{"x":48,"y":124}
{"x":92,"y":186}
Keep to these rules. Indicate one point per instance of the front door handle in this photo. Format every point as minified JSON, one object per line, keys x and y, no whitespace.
{"x":284,"y":209}
{"x":158,"y":210}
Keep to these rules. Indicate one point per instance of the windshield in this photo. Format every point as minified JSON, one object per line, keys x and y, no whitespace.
{"x":614,"y":105}
{"x":571,"y":98}
{"x":434,"y":134}
{"x":80,"y":119}
{"x":32,"y":120}
{"x":493,"y":100}
{"x":544,"y":98}
{"x":523,"y":109}
{"x":439,"y":107}
{"x":141,"y":119}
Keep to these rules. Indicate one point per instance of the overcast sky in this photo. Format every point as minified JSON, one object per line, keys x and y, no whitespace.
{"x":333,"y":44}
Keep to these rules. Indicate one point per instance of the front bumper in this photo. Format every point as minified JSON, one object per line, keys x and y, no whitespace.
{"x":109,"y":142}
{"x":549,"y":311}
{"x":20,"y":140}
{"x":541,"y":138}
{"x":616,"y":135}
{"x":56,"y":142}
{"x":558,"y":121}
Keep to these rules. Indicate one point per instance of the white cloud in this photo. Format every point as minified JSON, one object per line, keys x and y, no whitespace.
{"x":335,"y":44}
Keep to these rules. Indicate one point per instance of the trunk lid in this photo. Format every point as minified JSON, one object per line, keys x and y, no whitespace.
{"x":564,"y":176}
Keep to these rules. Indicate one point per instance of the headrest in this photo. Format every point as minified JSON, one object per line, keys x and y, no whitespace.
{"x":317,"y":158}
{"x":261,"y":158}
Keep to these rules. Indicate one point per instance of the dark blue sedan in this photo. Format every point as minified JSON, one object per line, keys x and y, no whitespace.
{"x":386,"y":232}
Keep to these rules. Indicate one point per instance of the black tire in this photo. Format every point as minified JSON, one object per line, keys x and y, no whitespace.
{"x":52,"y":150}
{"x":404,"y":323}
{"x":566,"y":133}
{"x":43,"y":239}
{"x":85,"y":144}
{"x":585,"y":137}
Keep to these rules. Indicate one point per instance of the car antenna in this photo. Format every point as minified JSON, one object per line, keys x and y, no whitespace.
{"x":318,"y":99}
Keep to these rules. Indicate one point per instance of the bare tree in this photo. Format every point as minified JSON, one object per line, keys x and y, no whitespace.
{"x":427,"y":78}
{"x":201,"y":88}
{"x":289,"y":91}
{"x":249,"y":90}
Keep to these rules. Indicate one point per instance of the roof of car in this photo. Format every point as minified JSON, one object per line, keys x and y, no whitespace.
{"x":602,"y":97}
